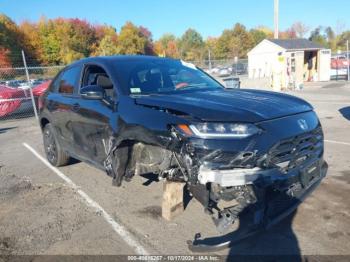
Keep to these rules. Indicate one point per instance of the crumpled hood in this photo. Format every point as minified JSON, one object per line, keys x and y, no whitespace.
{"x":238,"y":105}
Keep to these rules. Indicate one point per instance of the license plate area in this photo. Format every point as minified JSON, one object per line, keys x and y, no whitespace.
{"x":309,"y":174}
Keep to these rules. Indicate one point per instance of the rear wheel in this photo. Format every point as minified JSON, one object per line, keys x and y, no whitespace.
{"x":54,"y":153}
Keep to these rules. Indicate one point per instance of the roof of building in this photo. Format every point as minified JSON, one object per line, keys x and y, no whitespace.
{"x":296,"y":44}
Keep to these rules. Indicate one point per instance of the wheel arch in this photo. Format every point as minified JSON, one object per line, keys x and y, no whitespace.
{"x":43,"y":122}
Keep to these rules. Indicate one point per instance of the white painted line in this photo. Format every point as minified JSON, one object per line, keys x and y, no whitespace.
{"x":119,"y":229}
{"x":337,"y":142}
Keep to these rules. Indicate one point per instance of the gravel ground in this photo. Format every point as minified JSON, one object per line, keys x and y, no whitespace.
{"x":40,"y":214}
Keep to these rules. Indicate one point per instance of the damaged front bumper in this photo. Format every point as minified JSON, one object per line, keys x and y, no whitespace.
{"x":232,"y":177}
{"x":267,"y":196}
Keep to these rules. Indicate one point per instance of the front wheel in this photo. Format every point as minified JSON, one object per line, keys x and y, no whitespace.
{"x":54,"y":153}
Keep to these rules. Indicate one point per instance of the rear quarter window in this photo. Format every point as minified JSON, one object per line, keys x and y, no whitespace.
{"x":55,"y":82}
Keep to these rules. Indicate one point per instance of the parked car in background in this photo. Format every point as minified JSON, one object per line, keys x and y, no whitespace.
{"x":17,"y":99}
{"x":339,"y":67}
{"x":239,"y":69}
{"x":12,"y":83}
{"x":224,"y":72}
{"x":40,"y":89}
{"x":339,"y":62}
{"x":214,"y":70}
{"x":12,"y":99}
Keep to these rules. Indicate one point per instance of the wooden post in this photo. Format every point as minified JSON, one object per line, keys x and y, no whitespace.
{"x":172,"y":204}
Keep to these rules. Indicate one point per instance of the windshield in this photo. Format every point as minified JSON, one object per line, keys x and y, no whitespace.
{"x":163,"y":76}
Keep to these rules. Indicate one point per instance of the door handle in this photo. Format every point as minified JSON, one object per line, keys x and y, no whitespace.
{"x":75,"y":107}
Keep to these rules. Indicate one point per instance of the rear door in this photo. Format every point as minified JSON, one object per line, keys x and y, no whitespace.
{"x":63,"y":104}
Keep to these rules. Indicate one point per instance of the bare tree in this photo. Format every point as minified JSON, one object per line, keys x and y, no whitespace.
{"x":300,"y":29}
{"x":339,"y":28}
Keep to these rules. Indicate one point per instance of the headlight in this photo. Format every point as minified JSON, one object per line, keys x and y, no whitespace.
{"x":218,"y":130}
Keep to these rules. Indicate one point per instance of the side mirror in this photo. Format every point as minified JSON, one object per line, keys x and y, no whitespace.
{"x":93,"y":92}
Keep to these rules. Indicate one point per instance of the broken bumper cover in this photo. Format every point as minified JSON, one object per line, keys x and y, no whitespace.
{"x":232,"y":177}
{"x":296,"y":186}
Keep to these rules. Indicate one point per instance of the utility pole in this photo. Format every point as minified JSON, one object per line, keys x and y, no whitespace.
{"x":276,"y":12}
{"x":347,"y":52}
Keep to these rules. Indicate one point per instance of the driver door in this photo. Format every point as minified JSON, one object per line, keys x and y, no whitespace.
{"x":95,"y":118}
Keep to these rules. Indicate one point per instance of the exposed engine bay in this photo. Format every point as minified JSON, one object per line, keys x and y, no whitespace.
{"x":249,"y":185}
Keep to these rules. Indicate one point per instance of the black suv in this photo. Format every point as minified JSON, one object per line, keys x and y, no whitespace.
{"x":246,"y":155}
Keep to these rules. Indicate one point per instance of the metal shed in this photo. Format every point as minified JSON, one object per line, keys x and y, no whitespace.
{"x":289,"y":62}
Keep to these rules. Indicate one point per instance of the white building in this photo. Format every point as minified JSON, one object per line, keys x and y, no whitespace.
{"x":289,"y":61}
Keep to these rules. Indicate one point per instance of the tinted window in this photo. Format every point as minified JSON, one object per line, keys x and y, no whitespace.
{"x":69,"y":80}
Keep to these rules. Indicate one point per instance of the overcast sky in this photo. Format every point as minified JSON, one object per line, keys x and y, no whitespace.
{"x":209,"y":17}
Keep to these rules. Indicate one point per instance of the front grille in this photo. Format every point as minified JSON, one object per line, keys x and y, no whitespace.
{"x":294,"y":151}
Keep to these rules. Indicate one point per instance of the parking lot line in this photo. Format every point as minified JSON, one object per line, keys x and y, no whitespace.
{"x":119,"y":229}
{"x":337,"y":142}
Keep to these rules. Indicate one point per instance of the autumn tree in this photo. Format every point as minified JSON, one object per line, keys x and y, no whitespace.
{"x":4,"y":58}
{"x":289,"y":33}
{"x":234,"y":42}
{"x":78,"y":40}
{"x":61,"y":41}
{"x":144,"y":32}
{"x":267,"y":31}
{"x":191,"y":45}
{"x":107,"y":46}
{"x":210,"y":45}
{"x":343,"y":37}
{"x":11,"y":41}
{"x":32,"y":38}
{"x":300,"y":29}
{"x":50,"y":41}
{"x":5,"y":64}
{"x":318,"y":37}
{"x":257,"y":36}
{"x":131,"y":40}
{"x":106,"y":43}
{"x":167,"y":46}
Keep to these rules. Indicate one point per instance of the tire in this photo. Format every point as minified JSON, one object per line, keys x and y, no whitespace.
{"x":54,"y":153}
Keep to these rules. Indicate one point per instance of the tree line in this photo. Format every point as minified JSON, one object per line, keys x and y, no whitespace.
{"x":61,"y":41}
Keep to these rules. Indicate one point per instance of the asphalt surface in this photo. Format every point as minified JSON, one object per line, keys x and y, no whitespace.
{"x":40,"y":213}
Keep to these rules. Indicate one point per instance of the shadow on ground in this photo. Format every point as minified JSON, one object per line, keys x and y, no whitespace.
{"x":4,"y":130}
{"x":276,"y":244}
{"x":250,"y":240}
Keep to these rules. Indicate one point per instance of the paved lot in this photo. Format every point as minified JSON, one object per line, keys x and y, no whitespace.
{"x":40,"y":213}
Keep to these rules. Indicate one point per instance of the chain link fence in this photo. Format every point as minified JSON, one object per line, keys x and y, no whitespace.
{"x":340,"y":66}
{"x":18,"y":94}
{"x":224,"y":67}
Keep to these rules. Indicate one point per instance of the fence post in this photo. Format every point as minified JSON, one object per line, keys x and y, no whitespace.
{"x":348,"y":59}
{"x":30,"y":86}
